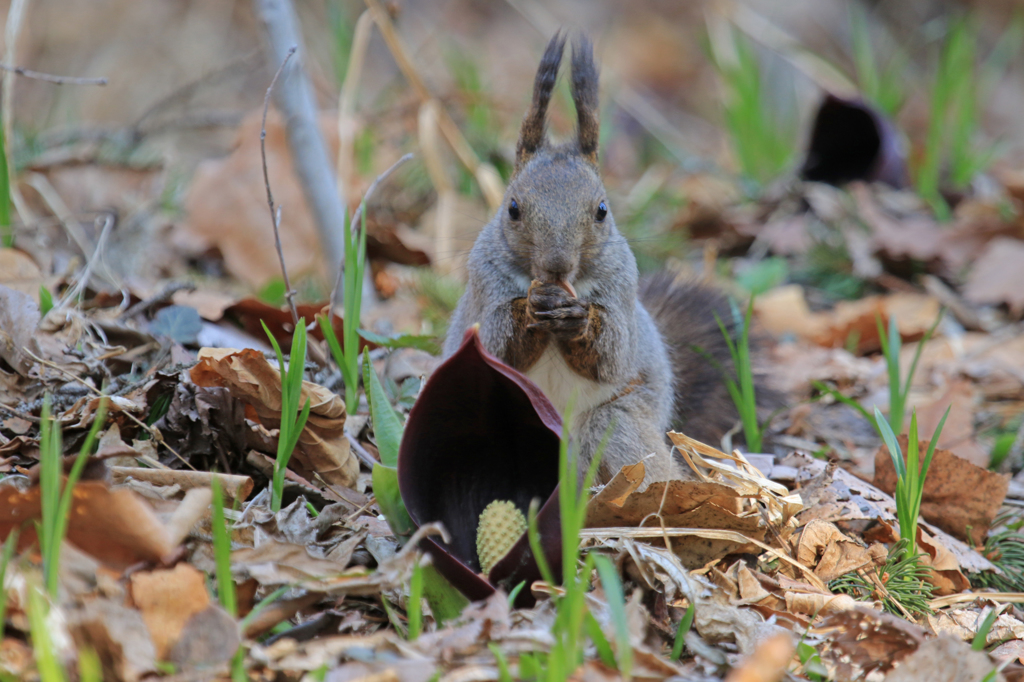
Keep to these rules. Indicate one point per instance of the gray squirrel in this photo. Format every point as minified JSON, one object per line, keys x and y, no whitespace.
{"x":556,"y":291}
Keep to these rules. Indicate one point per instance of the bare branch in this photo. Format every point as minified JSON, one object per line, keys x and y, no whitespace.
{"x":275,"y":215}
{"x":361,"y":220}
{"x":50,"y":78}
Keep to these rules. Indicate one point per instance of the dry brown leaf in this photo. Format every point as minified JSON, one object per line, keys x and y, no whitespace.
{"x":682,"y":504}
{"x":167,"y":600}
{"x":226,"y":207}
{"x":277,"y":563}
{"x":823,"y":547}
{"x":235,"y":487}
{"x":959,"y":497}
{"x":814,"y":603}
{"x":19,"y":317}
{"x":118,"y":635}
{"x":862,"y":640}
{"x":997,"y":276}
{"x":209,"y":638}
{"x":114,"y":526}
{"x":785,"y":311}
{"x":323,"y":447}
{"x":838,"y":496}
{"x":943,"y":659}
{"x":18,"y":271}
{"x":768,"y":663}
{"x":961,"y":397}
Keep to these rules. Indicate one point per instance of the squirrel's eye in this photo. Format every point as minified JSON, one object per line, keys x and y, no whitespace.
{"x":602,"y":211}
{"x":513,"y":210}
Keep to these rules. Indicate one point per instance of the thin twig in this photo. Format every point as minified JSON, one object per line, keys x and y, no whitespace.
{"x":362,"y":453}
{"x":275,"y":215}
{"x":50,"y":78}
{"x":90,"y":265}
{"x":360,"y":220}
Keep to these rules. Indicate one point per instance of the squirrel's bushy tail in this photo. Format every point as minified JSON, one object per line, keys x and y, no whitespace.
{"x":685,"y":315}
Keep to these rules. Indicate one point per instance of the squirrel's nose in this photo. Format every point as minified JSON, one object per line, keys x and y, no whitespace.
{"x":555,"y":268}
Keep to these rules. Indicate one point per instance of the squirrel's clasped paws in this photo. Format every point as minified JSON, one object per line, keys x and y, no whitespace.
{"x":553,"y":310}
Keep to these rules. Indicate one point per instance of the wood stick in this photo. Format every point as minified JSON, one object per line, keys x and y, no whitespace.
{"x":294,"y":98}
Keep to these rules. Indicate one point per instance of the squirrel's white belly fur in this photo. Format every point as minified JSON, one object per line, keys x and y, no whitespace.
{"x":558,"y":381}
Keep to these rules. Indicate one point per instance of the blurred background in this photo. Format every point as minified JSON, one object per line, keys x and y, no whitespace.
{"x":171,"y":143}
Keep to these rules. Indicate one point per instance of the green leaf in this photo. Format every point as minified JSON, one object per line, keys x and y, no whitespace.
{"x":890,"y":442}
{"x":273,"y":292}
{"x":389,"y":499}
{"x":424,"y":343}
{"x":387,"y":428}
{"x":446,"y":602}
{"x":414,"y":612}
{"x":45,"y":300}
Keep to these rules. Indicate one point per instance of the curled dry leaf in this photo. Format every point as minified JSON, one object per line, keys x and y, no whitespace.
{"x":959,"y":497}
{"x":114,"y":526}
{"x":249,"y":377}
{"x":832,"y":554}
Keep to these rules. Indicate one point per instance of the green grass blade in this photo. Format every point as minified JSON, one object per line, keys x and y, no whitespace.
{"x":617,"y":607}
{"x":978,"y":643}
{"x":50,"y":669}
{"x":67,"y":495}
{"x":222,"y":551}
{"x":5,"y":561}
{"x":894,"y":447}
{"x":604,"y":648}
{"x":684,"y":627}
{"x":917,"y":352}
{"x":850,"y":402}
{"x":934,"y":442}
{"x":6,"y":229}
{"x":504,"y":674}
{"x":250,"y":617}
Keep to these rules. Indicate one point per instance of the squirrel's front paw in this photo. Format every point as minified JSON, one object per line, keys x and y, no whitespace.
{"x":553,"y":310}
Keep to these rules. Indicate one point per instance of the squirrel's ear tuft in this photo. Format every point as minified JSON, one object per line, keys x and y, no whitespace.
{"x":584,"y":95}
{"x":533,"y":132}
